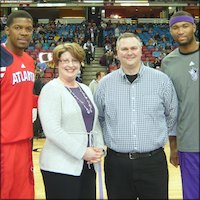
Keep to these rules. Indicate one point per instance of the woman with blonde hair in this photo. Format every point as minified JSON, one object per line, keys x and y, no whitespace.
{"x":74,"y":143}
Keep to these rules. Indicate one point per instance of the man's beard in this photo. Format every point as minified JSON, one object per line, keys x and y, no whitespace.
{"x":185,"y":43}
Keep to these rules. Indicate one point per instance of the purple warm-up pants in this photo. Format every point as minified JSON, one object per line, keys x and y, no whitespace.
{"x":189,"y":164}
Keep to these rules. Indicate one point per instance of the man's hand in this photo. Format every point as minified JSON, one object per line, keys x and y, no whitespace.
{"x":174,"y":159}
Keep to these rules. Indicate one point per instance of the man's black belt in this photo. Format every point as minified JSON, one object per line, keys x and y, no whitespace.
{"x":135,"y":155}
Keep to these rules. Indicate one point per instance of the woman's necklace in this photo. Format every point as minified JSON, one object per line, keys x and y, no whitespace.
{"x":89,"y":108}
{"x":72,"y":84}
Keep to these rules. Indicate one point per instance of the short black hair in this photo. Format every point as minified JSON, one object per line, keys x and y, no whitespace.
{"x":99,"y":73}
{"x":181,"y":13}
{"x":18,"y":14}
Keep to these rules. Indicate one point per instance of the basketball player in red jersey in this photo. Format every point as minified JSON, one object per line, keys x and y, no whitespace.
{"x":17,"y":79}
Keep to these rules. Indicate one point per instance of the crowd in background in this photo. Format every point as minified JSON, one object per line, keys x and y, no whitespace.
{"x":157,"y":41}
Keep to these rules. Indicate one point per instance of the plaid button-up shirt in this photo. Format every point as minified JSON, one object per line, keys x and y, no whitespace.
{"x":137,"y":117}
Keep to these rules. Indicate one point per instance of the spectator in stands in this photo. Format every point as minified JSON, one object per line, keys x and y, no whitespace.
{"x":32,"y":45}
{"x":71,"y":33}
{"x":131,"y":100}
{"x":109,"y":57}
{"x":58,"y":24}
{"x":106,"y":40}
{"x":40,"y":30}
{"x":3,"y":37}
{"x":150,"y":31}
{"x":45,"y":45}
{"x":113,"y":43}
{"x":157,"y":63}
{"x":82,"y":35}
{"x":151,"y":43}
{"x":156,"y":53}
{"x":38,"y":44}
{"x":164,"y":38}
{"x":115,"y":59}
{"x":182,"y":66}
{"x":37,"y":128}
{"x":53,"y":45}
{"x":79,"y":76}
{"x":94,"y":83}
{"x":93,"y":33}
{"x":42,"y":66}
{"x":103,"y":24}
{"x":157,"y":37}
{"x":100,"y":36}
{"x":17,"y":80}
{"x":107,"y":47}
{"x":162,"y":49}
{"x":87,"y":33}
{"x":102,"y":60}
{"x":109,"y":25}
{"x":38,"y":83}
{"x":89,"y":50}
{"x":148,"y":63}
{"x":112,"y":67}
{"x":117,"y":31}
{"x":51,"y":65}
{"x":74,"y":143}
{"x":168,"y":48}
{"x":62,"y":39}
{"x":3,"y":21}
{"x":56,"y":37}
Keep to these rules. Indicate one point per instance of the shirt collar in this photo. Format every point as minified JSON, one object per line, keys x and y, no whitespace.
{"x":140,"y":73}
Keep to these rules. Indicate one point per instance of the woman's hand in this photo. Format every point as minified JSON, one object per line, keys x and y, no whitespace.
{"x":93,"y":155}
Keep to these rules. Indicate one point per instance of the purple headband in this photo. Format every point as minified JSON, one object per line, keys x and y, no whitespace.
{"x":181,"y":19}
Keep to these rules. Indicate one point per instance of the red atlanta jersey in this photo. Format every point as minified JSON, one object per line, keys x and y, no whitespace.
{"x":17,"y":79}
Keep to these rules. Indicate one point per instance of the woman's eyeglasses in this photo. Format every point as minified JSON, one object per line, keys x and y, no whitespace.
{"x":67,"y":62}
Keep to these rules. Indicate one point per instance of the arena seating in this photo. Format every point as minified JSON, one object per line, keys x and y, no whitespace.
{"x":43,"y":40}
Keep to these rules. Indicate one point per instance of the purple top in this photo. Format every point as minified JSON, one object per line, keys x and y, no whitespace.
{"x":88,"y":118}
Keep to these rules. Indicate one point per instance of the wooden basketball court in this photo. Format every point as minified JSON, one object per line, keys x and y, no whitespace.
{"x":175,"y":190}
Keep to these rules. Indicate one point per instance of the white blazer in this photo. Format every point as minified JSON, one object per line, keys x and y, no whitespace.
{"x":64,"y":128}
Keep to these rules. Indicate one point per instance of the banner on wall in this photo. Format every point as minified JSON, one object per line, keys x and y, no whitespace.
{"x":43,"y":21}
{"x":70,"y":20}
